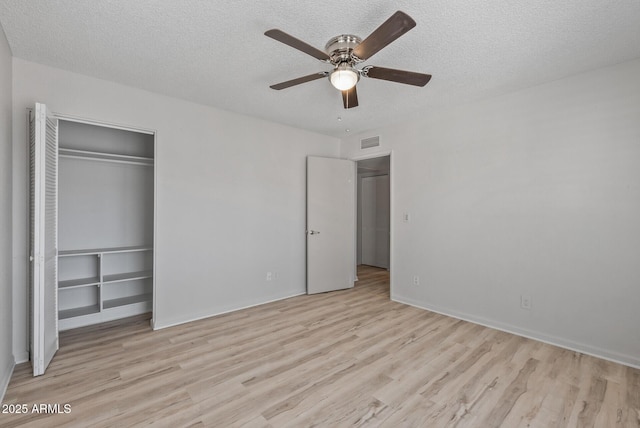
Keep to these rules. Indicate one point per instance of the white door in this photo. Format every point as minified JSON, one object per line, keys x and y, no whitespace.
{"x":375,"y":221}
{"x":44,"y":238}
{"x":331,"y":224}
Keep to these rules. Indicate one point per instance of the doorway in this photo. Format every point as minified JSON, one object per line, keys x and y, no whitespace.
{"x":92,"y":211}
{"x":373,"y":202}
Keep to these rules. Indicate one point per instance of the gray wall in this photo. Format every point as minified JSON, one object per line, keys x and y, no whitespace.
{"x":6,"y":323}
{"x":230,"y":197}
{"x":534,"y":193}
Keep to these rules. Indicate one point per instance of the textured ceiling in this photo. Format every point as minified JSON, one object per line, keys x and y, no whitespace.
{"x":215,"y":53}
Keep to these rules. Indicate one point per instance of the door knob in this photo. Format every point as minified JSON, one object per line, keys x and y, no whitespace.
{"x":314,"y":232}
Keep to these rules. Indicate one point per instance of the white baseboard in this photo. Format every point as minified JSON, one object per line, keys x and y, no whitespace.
{"x":5,"y":378}
{"x":627,"y":360}
{"x":22,"y":357}
{"x":157,"y":326}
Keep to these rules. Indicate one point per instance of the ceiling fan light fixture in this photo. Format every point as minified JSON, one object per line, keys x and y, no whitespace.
{"x":344,"y":77}
{"x":346,"y":51}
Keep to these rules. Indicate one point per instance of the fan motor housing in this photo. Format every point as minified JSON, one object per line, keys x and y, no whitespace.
{"x":340,"y":47}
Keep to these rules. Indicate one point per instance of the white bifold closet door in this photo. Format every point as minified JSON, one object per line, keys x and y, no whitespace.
{"x":44,"y":238}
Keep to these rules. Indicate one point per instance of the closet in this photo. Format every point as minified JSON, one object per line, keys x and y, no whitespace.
{"x":105,"y":223}
{"x":99,"y":192}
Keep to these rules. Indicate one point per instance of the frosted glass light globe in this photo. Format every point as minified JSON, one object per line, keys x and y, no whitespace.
{"x":344,"y":77}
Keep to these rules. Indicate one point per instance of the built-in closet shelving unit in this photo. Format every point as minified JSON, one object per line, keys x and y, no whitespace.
{"x":105,"y":223}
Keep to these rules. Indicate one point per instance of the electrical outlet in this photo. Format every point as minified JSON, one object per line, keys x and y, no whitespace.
{"x":269,"y":276}
{"x":416,"y":280}
{"x":525,"y":302}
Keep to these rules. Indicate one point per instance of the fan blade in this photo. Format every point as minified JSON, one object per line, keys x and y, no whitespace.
{"x":350,"y":98}
{"x":391,"y":29}
{"x":299,"y":80}
{"x":283,"y":37}
{"x":399,"y":76}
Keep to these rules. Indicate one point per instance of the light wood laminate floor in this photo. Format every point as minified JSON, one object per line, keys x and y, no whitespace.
{"x":348,"y":358}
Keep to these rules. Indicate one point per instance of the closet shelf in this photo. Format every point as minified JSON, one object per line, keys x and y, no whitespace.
{"x":78,"y":312}
{"x":129,"y":300}
{"x":128,"y":276}
{"x":137,"y":296}
{"x":104,"y":157}
{"x":79,"y":282}
{"x":92,"y":251}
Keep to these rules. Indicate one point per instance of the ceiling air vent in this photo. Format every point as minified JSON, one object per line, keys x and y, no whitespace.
{"x":368,"y":143}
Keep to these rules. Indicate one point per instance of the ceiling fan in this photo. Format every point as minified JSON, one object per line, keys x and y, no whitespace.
{"x":346,"y":51}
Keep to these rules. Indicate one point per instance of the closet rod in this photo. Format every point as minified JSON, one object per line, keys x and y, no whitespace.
{"x":129,"y":162}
